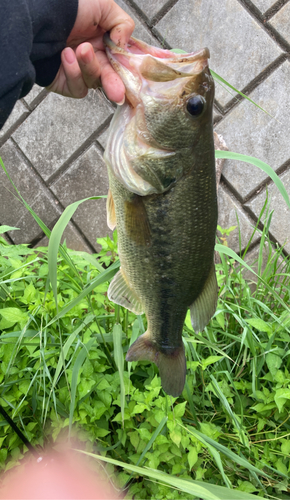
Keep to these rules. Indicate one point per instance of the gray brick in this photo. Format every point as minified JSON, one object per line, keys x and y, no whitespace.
{"x":24,"y":179}
{"x":281,"y":22}
{"x":150,"y":7}
{"x":228,"y":212}
{"x":103,"y":137}
{"x":240,"y":48}
{"x":263,"y":5}
{"x":45,"y":207}
{"x":140,"y":31}
{"x":280,"y":224}
{"x":86,"y":177}
{"x":58,"y":127}
{"x":32,"y":98}
{"x":73,"y":240}
{"x":19,"y":112}
{"x":250,"y":131}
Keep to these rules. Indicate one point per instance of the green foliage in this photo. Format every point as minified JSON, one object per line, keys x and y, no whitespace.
{"x":67,"y":371}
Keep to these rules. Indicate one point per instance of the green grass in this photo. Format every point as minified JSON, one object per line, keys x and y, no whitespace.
{"x":63,"y":368}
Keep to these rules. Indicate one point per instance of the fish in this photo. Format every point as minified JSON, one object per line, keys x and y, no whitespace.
{"x":162,"y":199}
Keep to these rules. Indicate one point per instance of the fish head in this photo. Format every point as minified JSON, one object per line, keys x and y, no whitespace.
{"x":155,"y":135}
{"x":171,"y":93}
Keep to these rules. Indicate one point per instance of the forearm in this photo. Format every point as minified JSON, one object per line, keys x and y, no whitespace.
{"x":32,"y":36}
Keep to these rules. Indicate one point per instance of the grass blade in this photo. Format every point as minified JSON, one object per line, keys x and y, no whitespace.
{"x":119,"y":360}
{"x":228,"y":251}
{"x":5,"y":229}
{"x":206,"y":491}
{"x":106,"y":275}
{"x":68,"y":345}
{"x":228,"y":453}
{"x":74,"y":380}
{"x":222,"y":80}
{"x":229,"y":411}
{"x":55,"y":238}
{"x":229,"y":155}
{"x":215,"y":455}
{"x":154,"y":436}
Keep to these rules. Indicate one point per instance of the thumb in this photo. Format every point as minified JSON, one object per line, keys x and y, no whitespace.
{"x":115,"y":20}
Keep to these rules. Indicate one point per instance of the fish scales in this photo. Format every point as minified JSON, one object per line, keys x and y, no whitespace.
{"x":166,"y":224}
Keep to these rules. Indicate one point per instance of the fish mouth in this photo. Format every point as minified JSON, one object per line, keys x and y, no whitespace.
{"x":137,"y":47}
{"x":140,"y":61}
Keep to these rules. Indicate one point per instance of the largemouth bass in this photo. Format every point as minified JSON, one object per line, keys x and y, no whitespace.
{"x":162,"y":198}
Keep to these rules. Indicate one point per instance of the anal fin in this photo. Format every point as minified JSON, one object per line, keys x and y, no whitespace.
{"x":111,"y":214}
{"x":203,"y":308}
{"x":120,"y":293}
{"x":172,"y":365}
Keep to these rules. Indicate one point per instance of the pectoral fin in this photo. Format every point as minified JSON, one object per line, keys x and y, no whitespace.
{"x":203,"y":308}
{"x":120,"y":293}
{"x":136,"y":221}
{"x":111,"y":214}
{"x":172,"y":366}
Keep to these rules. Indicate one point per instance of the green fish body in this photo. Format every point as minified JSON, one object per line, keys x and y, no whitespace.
{"x":162,"y":198}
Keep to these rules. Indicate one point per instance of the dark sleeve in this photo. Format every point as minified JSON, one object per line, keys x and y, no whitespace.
{"x":32,"y":35}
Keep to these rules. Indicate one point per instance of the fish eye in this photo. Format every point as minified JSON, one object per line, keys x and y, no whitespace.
{"x":195,"y":105}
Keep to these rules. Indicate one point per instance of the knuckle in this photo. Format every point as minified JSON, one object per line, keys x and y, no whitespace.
{"x":130,"y":23}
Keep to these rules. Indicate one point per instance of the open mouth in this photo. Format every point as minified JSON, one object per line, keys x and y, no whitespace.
{"x":141,"y":61}
{"x":137,"y":47}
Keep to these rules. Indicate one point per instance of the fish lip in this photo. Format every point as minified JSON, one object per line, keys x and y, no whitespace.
{"x":169,"y":56}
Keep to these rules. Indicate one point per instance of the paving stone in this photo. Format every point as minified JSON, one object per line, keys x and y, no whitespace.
{"x":45,"y":207}
{"x":281,"y":22}
{"x":250,"y":131}
{"x":19,"y":112}
{"x":86,"y":177}
{"x":151,"y":7}
{"x":25,"y":180}
{"x":240,"y":49}
{"x":280,"y":224}
{"x":263,"y":5}
{"x":58,"y":127}
{"x":103,"y":138}
{"x":73,"y":239}
{"x":140,"y":31}
{"x":228,"y":211}
{"x":32,"y":98}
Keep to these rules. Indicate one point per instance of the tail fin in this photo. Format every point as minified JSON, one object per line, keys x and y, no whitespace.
{"x":172,"y":367}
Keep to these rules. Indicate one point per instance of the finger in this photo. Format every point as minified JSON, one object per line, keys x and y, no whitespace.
{"x":89,"y":65}
{"x":74,"y":79}
{"x":115,"y":20}
{"x":111,"y":82}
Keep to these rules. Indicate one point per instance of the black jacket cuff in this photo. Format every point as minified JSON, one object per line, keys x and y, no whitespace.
{"x":52,"y":22}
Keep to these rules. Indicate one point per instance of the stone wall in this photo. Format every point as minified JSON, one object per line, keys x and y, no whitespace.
{"x":52,"y":146}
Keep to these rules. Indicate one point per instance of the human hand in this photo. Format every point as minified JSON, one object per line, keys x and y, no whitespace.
{"x":84,"y":62}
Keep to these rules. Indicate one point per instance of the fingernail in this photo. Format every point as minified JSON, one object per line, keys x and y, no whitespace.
{"x":69,"y":55}
{"x":87,"y":55}
{"x":121,"y":102}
